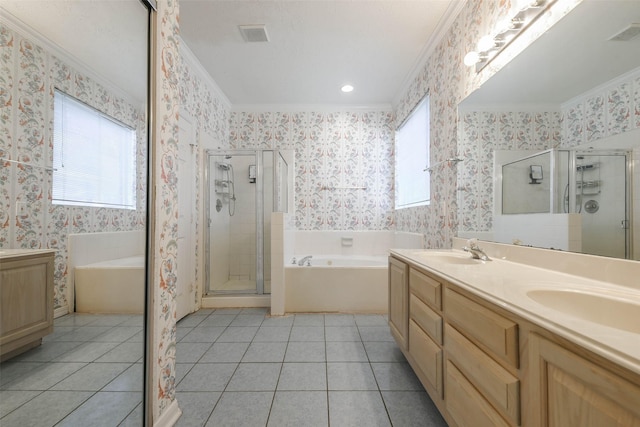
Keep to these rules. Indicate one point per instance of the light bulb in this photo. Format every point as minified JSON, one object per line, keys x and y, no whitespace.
{"x":471,"y":59}
{"x":347,"y":88}
{"x":486,"y":43}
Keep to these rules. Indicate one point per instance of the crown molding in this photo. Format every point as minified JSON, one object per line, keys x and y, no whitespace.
{"x":300,"y":108}
{"x":196,"y":65}
{"x":450,"y":15}
{"x":24,"y":30}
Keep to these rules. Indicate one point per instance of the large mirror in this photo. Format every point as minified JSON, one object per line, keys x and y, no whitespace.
{"x":575,"y":93}
{"x":73,"y":189}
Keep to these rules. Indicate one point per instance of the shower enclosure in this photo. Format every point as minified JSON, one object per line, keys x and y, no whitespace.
{"x":244,"y":188}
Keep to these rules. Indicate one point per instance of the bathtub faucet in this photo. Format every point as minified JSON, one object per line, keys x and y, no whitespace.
{"x":305,"y":259}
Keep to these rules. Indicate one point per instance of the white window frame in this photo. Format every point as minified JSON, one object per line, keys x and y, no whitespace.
{"x":94,"y":157}
{"x":412,"y":151}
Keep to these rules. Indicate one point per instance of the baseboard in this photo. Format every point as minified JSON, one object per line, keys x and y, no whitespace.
{"x":60,"y":311}
{"x":233,"y":301}
{"x":170,"y":415}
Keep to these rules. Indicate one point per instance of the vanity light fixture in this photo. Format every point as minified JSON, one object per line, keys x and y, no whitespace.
{"x":347,"y":88}
{"x":490,"y":45}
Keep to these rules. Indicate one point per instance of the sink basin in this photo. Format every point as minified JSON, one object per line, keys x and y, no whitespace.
{"x":597,"y":308}
{"x":451,"y":258}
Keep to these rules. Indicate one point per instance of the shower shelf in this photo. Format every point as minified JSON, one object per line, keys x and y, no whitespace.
{"x":589,"y":187}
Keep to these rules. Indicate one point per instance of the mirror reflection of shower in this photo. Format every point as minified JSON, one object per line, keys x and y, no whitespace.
{"x":225,"y":185}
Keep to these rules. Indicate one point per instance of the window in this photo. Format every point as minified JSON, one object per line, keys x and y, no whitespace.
{"x":94,"y":157}
{"x":412,"y":158}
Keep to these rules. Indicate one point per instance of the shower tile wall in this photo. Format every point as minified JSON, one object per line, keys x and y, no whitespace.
{"x":332,"y":150}
{"x":30,"y":74}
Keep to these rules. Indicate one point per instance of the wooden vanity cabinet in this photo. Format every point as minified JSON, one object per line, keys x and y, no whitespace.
{"x":399,"y":301}
{"x":568,"y":389}
{"x":484,"y":366}
{"x":26,"y":300}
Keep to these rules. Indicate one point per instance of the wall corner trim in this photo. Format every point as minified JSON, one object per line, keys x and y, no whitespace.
{"x":170,"y":415}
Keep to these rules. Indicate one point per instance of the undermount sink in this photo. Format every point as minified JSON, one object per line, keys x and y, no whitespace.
{"x":601,"y":309}
{"x":452,"y":258}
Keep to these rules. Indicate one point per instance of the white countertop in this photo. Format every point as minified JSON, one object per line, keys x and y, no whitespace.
{"x":13,"y":253}
{"x":506,"y":283}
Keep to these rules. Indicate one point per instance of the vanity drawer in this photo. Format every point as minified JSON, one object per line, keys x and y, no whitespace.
{"x":427,"y":289}
{"x":466,"y":406}
{"x":426,"y":318}
{"x":427,"y":355}
{"x":495,"y":333}
{"x":492,"y":380}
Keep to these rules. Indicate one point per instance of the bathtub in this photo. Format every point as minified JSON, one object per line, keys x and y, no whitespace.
{"x":337,"y":283}
{"x":113,"y":286}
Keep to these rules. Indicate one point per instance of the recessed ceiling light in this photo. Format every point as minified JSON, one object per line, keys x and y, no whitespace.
{"x":347,"y":88}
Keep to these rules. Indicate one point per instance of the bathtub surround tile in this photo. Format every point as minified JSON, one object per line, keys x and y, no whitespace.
{"x":346,"y":352}
{"x":350,"y":376}
{"x":196,"y":407}
{"x":265,"y":352}
{"x":255,"y":377}
{"x":305,"y":352}
{"x":303,"y":377}
{"x":238,"y":334}
{"x":307,"y":333}
{"x":308,"y":320}
{"x":341,"y":333}
{"x":104,"y":409}
{"x":299,"y":408}
{"x":350,"y":408}
{"x":207,"y":377}
{"x":240,"y":409}
{"x":225,"y":352}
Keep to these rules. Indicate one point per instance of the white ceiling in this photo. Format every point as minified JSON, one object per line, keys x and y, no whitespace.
{"x":315,"y":47}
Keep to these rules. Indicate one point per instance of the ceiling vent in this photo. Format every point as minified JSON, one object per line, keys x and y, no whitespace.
{"x":254,"y":33}
{"x":629,"y":33}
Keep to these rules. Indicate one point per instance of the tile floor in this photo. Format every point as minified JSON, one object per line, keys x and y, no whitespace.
{"x":235,"y":367}
{"x":240,"y":367}
{"x":89,"y":372}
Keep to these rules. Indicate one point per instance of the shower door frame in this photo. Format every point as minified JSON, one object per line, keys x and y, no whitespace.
{"x":259,"y":214}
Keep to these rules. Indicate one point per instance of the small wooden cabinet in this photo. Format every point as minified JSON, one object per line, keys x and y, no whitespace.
{"x":26,"y":299}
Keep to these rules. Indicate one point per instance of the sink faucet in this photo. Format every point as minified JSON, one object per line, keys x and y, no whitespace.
{"x":305,"y":259}
{"x":475,"y":250}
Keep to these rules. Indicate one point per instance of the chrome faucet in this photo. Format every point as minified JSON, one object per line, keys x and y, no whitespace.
{"x":305,"y":259}
{"x":475,"y":250}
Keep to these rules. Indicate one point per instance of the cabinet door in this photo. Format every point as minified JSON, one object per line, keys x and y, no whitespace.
{"x":568,"y":390}
{"x":399,"y":301}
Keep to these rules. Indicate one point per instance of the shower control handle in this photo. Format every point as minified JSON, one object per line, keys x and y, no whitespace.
{"x":624,"y":224}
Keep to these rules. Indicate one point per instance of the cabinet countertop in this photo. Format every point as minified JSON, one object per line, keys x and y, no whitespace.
{"x":507,"y":284}
{"x":15,"y":253}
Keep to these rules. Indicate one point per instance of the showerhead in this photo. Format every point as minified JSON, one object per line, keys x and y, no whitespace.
{"x":228,"y":156}
{"x":224,"y":166}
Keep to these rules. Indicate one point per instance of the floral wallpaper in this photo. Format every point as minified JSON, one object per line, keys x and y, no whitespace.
{"x":343,"y":161}
{"x":165,"y":208}
{"x":28,"y":76}
{"x":480,"y":133}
